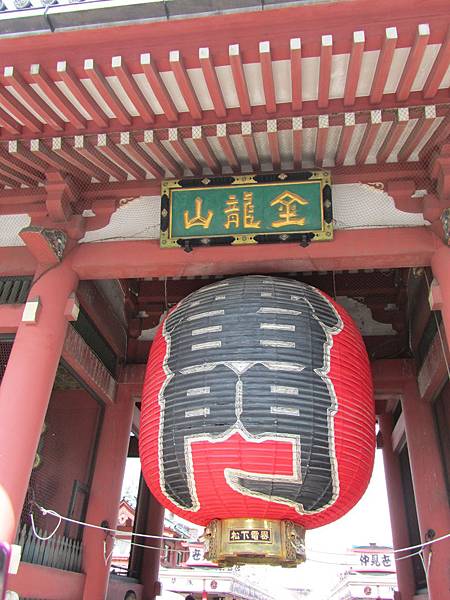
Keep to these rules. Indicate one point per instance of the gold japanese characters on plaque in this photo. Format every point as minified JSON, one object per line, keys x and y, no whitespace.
{"x":250,"y":209}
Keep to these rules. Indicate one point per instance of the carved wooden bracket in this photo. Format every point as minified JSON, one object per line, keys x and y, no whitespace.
{"x":46,"y":245}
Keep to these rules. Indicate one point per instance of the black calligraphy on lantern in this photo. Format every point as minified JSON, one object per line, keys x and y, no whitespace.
{"x":267,"y":375}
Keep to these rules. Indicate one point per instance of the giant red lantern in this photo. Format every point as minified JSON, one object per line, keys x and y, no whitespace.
{"x":257,"y":416}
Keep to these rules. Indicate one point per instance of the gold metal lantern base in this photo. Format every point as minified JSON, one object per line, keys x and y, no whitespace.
{"x":255,"y":541}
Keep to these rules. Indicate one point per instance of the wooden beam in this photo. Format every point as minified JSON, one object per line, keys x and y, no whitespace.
{"x":345,"y":138}
{"x":48,"y":86}
{"x":19,"y":112}
{"x":61,"y":147}
{"x":212,"y":82}
{"x":76,"y":88}
{"x":205,"y":149}
{"x":354,"y":68}
{"x":396,"y":130}
{"x":417,"y":134}
{"x":265,"y":60}
{"x":158,"y":87}
{"x":185,"y":85}
{"x":326,"y":52}
{"x":438,"y":70}
{"x":370,"y":134}
{"x":43,"y":152}
{"x":355,"y":249}
{"x":414,"y":61}
{"x":296,"y":73}
{"x":9,"y":123}
{"x":227,"y":148}
{"x":86,"y":149}
{"x":102,"y":86}
{"x":240,"y":84}
{"x":183,"y":152}
{"x":250,"y":145}
{"x":162,"y":156}
{"x":139,"y":155}
{"x":13,"y":78}
{"x":383,"y":65}
{"x":109,"y":148}
{"x":131,"y":89}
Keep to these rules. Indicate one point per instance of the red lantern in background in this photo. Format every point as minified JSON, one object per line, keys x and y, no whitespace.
{"x":257,"y":416}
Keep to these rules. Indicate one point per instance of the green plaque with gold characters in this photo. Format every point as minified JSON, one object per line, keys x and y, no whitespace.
{"x":249,"y":209}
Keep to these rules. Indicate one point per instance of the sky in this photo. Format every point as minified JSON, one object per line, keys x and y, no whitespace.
{"x":367,"y":522}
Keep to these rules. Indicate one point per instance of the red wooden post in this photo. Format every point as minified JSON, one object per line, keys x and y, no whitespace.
{"x":151,"y":558}
{"x":26,"y":388}
{"x":105,"y":492}
{"x":399,"y":526}
{"x":430,"y":491}
{"x":440,"y":263}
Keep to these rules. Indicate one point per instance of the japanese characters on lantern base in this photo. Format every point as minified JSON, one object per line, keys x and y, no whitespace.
{"x":231,"y":542}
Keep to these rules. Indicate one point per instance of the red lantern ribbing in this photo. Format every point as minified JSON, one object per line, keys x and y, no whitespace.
{"x":257,"y":409}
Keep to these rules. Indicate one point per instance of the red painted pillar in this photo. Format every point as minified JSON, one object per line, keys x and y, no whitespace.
{"x":26,"y":387}
{"x":440,"y":264}
{"x":105,"y":492}
{"x":433,"y":512}
{"x":405,"y":576}
{"x":151,"y":558}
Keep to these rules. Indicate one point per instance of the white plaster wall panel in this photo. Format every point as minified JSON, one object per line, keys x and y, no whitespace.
{"x":71,"y":98}
{"x":359,"y":206}
{"x":147,"y":91}
{"x":339,"y":67}
{"x":11,"y":115}
{"x":334,"y":134}
{"x":117,"y":88}
{"x":241,"y":152}
{"x":10,"y":225}
{"x":429,"y":56}
{"x":415,"y":155}
{"x":381,"y":136}
{"x":310,"y":77}
{"x":217,"y":150}
{"x":355,"y":206}
{"x":168,"y":146}
{"x":47,"y":100}
{"x":398,"y":63}
{"x":195,"y":151}
{"x":445,"y":83}
{"x":262,"y":147}
{"x":138,"y":219}
{"x":402,"y":139}
{"x":282,"y":80}
{"x":174,"y":91}
{"x":200,"y":88}
{"x":362,"y":315}
{"x":90,"y":87}
{"x":23,"y":103}
{"x":253,"y":77}
{"x":285,"y":143}
{"x":355,"y":143}
{"x":367,"y":72}
{"x":309,"y":148}
{"x":225,"y":77}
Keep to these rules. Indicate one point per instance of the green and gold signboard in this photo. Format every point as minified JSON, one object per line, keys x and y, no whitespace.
{"x":247,"y":210}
